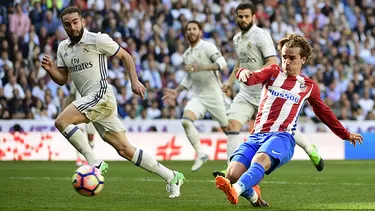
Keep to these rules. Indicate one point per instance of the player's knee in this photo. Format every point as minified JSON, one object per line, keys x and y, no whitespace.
{"x":232,"y":175}
{"x":233,"y":126}
{"x":263,"y":159}
{"x":60,"y":124}
{"x":186,"y":123}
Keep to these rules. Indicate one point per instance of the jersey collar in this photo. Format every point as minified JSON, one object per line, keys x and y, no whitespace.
{"x":250,"y":31}
{"x":83,"y":38}
{"x":199,"y":43}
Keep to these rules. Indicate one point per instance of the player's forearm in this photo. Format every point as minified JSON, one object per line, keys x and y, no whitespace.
{"x":180,"y":88}
{"x":127,"y":60}
{"x":57,"y":76}
{"x":232,"y":76}
{"x":208,"y":67}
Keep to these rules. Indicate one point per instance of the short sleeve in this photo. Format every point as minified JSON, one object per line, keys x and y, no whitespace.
{"x":266,"y":45}
{"x":60,"y":60}
{"x":212,"y":52}
{"x":106,"y":45}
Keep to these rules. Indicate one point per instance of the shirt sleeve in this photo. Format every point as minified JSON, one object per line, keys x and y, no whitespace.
{"x":186,"y":82}
{"x":266,"y":45}
{"x":60,"y":60}
{"x":212,"y":52}
{"x":262,"y":75}
{"x":106,"y":45}
{"x":324,"y":113}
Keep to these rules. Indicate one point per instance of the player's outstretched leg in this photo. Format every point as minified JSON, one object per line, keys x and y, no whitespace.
{"x":310,"y":149}
{"x":142,"y":159}
{"x":193,"y":136}
{"x":65,"y":123}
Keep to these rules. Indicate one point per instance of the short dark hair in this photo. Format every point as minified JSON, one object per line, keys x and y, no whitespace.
{"x":244,"y":6}
{"x":195,"y":22}
{"x":70,"y":10}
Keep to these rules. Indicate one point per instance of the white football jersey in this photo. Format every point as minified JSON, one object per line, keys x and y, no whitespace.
{"x":87,"y":62}
{"x":252,"y":49}
{"x":203,"y":84}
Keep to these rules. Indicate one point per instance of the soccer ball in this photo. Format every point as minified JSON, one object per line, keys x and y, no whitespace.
{"x":88,"y":181}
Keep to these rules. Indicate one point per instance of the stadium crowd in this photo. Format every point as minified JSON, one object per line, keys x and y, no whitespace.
{"x":342,"y":33}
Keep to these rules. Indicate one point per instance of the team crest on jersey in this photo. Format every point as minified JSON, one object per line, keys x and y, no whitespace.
{"x":249,"y":45}
{"x":86,"y":49}
{"x":303,"y":87}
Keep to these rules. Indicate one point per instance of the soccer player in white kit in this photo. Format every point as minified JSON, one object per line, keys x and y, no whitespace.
{"x":84,"y":56}
{"x":202,"y":62}
{"x":255,"y":49}
{"x":89,"y":128}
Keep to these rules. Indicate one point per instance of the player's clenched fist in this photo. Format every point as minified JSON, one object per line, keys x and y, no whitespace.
{"x":243,"y":74}
{"x":47,"y":63}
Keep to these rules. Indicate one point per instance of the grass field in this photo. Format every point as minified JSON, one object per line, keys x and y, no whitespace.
{"x":342,"y":185}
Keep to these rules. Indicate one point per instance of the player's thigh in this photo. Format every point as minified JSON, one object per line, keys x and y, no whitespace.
{"x":70,"y":115}
{"x":218,"y":111}
{"x":246,"y":151}
{"x":97,"y":107}
{"x":280,"y":148}
{"x":195,"y":106}
{"x":241,"y":112}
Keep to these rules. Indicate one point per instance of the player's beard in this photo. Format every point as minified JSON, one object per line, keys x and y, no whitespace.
{"x":76,"y":38}
{"x":245,"y":28}
{"x":193,"y":40}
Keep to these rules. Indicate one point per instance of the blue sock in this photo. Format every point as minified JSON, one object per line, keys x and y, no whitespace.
{"x":251,"y":178}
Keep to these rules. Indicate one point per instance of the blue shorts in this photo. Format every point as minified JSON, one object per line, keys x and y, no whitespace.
{"x":279,"y":146}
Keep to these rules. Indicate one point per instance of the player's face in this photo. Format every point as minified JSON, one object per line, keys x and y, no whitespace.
{"x":73,"y":25}
{"x":292,"y":61}
{"x":245,"y":19}
{"x":193,"y":33}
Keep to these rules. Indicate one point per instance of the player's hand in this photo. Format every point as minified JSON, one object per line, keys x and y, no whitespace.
{"x":139,"y":89}
{"x":170,"y":96}
{"x":244,"y":75}
{"x":47,"y":63}
{"x":191,"y":68}
{"x":226,"y":87}
{"x":354,"y":138}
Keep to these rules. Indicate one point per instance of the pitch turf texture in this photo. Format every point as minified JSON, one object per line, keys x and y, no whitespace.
{"x":342,"y":185}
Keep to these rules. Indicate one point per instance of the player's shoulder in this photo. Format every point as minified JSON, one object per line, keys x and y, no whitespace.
{"x":237,"y":37}
{"x":63,"y":44}
{"x":205,"y":44}
{"x":309,"y":81}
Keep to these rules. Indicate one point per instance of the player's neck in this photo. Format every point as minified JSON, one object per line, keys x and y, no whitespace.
{"x":192,"y":45}
{"x":244,"y":32}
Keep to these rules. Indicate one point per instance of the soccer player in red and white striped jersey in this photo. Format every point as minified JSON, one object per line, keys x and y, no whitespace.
{"x":271,"y":145}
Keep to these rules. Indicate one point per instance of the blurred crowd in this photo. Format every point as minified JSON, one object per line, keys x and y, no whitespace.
{"x":342,"y":33}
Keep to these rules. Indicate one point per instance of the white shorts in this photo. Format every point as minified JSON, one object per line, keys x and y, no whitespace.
{"x":102,"y":112}
{"x":218,"y":109}
{"x":242,"y":111}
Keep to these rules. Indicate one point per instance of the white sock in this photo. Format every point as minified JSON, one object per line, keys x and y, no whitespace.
{"x":238,"y":188}
{"x":254,"y":197}
{"x":77,"y":139}
{"x":234,"y":141}
{"x":150,"y":164}
{"x":303,"y":142}
{"x":193,"y":136}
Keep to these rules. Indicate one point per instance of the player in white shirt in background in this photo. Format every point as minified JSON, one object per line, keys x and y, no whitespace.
{"x":255,"y":49}
{"x":203,"y":61}
{"x":89,"y":128}
{"x":84,"y":56}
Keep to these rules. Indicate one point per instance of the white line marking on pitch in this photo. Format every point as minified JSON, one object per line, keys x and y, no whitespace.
{"x":193,"y":181}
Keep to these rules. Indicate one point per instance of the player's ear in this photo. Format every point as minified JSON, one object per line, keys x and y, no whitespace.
{"x":303,"y":60}
{"x":83,"y":22}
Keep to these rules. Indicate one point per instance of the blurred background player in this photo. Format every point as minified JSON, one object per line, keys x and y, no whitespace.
{"x":203,"y":61}
{"x":255,"y":49}
{"x":88,"y":128}
{"x":84,"y":56}
{"x":284,"y":93}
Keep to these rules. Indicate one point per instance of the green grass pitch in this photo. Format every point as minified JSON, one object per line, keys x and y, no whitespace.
{"x":342,"y":185}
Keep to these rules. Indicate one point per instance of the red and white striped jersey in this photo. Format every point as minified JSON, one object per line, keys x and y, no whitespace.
{"x":283,"y":98}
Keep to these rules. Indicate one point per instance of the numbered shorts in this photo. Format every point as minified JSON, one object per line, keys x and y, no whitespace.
{"x":278,"y":145}
{"x":101,"y":111}
{"x":216,"y":108}
{"x":242,"y":111}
